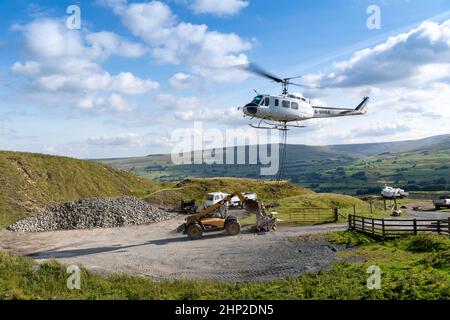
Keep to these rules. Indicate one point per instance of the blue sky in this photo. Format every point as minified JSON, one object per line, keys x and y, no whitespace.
{"x":137,"y":71}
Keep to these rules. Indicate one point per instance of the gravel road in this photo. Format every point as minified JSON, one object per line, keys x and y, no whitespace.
{"x":157,"y":252}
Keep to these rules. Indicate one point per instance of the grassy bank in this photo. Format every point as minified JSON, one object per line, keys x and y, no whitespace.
{"x":198,"y":188}
{"x":30,"y":182}
{"x":412,"y":268}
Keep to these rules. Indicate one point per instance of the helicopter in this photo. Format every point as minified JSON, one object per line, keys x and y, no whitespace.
{"x":288,"y":110}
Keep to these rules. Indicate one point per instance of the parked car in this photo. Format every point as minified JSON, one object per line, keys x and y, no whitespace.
{"x":442,"y":202}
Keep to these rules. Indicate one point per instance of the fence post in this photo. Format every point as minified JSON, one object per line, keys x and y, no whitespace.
{"x":336,"y":214}
{"x":350,"y":222}
{"x":354,"y":209}
{"x":373,"y":226}
{"x":363,"y":223}
{"x":371,"y":207}
{"x":384,"y":230}
{"x":439,"y":226}
{"x":448,"y":225}
{"x":415,"y":227}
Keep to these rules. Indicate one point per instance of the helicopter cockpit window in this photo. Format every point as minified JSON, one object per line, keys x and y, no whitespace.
{"x":286,"y":104}
{"x":266,"y":102}
{"x":258,"y":100}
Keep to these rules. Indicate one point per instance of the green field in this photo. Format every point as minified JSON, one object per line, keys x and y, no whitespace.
{"x":422,"y":165}
{"x":411,"y":268}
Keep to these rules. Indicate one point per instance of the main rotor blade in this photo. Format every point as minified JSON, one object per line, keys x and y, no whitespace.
{"x":288,"y":79}
{"x":303,"y":85}
{"x":261,"y":72}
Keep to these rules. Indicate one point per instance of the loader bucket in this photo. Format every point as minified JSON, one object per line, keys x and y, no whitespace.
{"x":251,"y":206}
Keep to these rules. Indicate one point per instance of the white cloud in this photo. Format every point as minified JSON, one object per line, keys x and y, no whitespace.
{"x":219,"y":7}
{"x":128,"y":140}
{"x":401,"y":57}
{"x":68,"y":63}
{"x":173,"y":102}
{"x":108,"y":43}
{"x":114,"y":102}
{"x":127,"y":83}
{"x":207,"y":53}
{"x":377,"y":129}
{"x":229,"y":116}
{"x":27,"y":68}
{"x":181,"y":81}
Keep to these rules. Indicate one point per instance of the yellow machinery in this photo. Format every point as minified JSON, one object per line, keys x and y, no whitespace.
{"x":216,"y":218}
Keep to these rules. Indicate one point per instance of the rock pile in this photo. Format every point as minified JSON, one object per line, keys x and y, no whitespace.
{"x":93,"y":213}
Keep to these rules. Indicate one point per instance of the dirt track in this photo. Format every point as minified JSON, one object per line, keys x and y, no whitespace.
{"x":156,"y":251}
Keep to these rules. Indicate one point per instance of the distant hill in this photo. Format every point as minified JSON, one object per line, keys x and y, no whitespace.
{"x":372,"y":149}
{"x":30,"y":182}
{"x":419,"y":165}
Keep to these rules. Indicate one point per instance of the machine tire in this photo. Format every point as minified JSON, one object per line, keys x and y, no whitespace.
{"x":195,"y":231}
{"x":437,"y":207}
{"x":233,"y":228}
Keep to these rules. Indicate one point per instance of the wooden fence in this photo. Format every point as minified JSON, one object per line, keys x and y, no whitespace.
{"x":397,"y":227}
{"x":313,"y":215}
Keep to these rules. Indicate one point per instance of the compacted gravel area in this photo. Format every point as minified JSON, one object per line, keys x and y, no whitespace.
{"x":156,"y":251}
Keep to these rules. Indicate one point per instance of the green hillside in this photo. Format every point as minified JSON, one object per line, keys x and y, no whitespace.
{"x":30,"y":182}
{"x":198,"y":188}
{"x":416,"y":165}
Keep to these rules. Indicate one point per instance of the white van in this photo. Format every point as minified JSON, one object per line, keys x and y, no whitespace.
{"x":214,"y":197}
{"x":236,"y":202}
{"x":391,"y":193}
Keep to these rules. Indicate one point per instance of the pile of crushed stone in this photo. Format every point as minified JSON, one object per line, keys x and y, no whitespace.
{"x":93,"y":213}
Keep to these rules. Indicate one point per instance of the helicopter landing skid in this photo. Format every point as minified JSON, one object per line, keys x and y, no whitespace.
{"x":282,"y":126}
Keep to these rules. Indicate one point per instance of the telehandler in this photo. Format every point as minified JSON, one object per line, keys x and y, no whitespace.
{"x":216,"y":218}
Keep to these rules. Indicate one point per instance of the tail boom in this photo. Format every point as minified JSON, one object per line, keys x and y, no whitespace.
{"x":326,"y":112}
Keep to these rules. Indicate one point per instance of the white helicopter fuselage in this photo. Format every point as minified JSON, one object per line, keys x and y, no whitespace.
{"x":292,"y":107}
{"x":280,"y":108}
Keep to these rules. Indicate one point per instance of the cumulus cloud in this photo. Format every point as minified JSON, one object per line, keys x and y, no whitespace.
{"x":27,"y":68}
{"x":108,"y":43}
{"x":208,"y":53}
{"x":385,"y":128}
{"x":69,"y":63}
{"x":229,"y":116}
{"x":173,"y":102}
{"x":181,"y":81}
{"x":129,"y":140}
{"x":401,"y":57}
{"x":219,"y":7}
{"x":114,"y":102}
